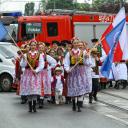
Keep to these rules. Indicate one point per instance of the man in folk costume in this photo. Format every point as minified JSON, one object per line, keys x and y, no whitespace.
{"x":77,"y":79}
{"x":101,"y":55}
{"x":31,"y":81}
{"x":95,"y":75}
{"x":50,"y":63}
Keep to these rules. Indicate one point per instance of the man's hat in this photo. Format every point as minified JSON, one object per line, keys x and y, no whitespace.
{"x":94,"y":40}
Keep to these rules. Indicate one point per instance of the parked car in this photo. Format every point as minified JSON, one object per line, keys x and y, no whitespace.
{"x":8,"y":53}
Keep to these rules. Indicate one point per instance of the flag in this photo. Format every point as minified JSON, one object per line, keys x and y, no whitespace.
{"x":3,"y":31}
{"x":112,"y":38}
{"x":122,"y":45}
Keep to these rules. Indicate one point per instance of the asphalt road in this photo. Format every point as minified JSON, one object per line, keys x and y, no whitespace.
{"x":15,"y":115}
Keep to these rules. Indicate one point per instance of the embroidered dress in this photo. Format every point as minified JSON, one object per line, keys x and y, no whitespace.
{"x":31,"y":83}
{"x":77,"y":80}
{"x":50,"y":63}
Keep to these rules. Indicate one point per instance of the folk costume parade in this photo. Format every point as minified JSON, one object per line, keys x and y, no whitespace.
{"x":62,"y":73}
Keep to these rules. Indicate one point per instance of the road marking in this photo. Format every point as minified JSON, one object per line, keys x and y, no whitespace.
{"x":118,"y":119}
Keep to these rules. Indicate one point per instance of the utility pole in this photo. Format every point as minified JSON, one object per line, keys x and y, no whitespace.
{"x":121,"y":3}
{"x":54,"y":4}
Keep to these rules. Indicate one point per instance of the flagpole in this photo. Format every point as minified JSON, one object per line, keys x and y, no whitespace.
{"x":20,"y":51}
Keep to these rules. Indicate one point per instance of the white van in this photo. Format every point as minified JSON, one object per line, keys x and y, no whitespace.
{"x":8,"y":53}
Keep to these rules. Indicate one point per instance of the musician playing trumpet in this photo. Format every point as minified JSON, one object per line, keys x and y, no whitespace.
{"x":77,"y":80}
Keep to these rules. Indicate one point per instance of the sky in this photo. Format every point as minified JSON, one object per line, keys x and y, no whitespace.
{"x":18,"y":5}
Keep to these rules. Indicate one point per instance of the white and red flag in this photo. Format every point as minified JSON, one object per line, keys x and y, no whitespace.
{"x":121,"y":49}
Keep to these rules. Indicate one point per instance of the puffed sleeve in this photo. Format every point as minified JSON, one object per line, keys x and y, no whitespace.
{"x":87,"y":60}
{"x":41,"y":64}
{"x":67,"y":62}
{"x":52,"y":62}
{"x":23,"y":62}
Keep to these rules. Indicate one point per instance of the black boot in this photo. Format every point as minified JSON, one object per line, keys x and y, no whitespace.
{"x":110,"y":84}
{"x":95,"y":96}
{"x":79,"y":104}
{"x":23,"y":99}
{"x":66,"y":102}
{"x":104,"y":85}
{"x":41,"y":103}
{"x":124,"y":84}
{"x":90,"y":98}
{"x":74,"y":105}
{"x":34,"y":105}
{"x":30,"y":106}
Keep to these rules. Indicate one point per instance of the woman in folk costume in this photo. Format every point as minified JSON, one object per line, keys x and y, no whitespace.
{"x":50,"y":63}
{"x":77,"y":79}
{"x":88,"y":69}
{"x":31,"y":81}
{"x":19,"y":71}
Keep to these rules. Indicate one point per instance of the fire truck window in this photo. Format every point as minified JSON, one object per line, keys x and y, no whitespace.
{"x":25,"y":36}
{"x":52,"y":29}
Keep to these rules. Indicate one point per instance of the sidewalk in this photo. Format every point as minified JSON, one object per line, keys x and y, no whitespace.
{"x":115,"y":98}
{"x":123,"y":93}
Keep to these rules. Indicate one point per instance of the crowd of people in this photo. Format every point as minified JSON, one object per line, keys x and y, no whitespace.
{"x":63,"y":73}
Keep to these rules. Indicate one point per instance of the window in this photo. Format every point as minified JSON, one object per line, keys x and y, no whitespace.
{"x":28,"y":30}
{"x":6,"y":53}
{"x":52,"y":28}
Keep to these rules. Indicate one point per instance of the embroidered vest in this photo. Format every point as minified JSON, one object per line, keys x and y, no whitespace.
{"x":74,"y":59}
{"x":33,"y":60}
{"x":55,"y":81}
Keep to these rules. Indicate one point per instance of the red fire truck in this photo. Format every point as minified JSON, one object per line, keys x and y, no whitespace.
{"x":63,"y":27}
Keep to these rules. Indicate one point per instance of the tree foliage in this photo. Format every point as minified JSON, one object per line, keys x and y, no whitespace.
{"x":29,"y":9}
{"x":59,"y":4}
{"x":107,"y":6}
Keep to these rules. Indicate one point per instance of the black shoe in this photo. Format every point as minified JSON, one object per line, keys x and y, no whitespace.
{"x":41,"y":103}
{"x":90,"y":98}
{"x":34,"y":106}
{"x":23,"y":99}
{"x":73,"y":108}
{"x":74,"y":105}
{"x":95,"y":98}
{"x":79,"y":110}
{"x":79,"y":104}
{"x":23,"y":102}
{"x":124,"y":86}
{"x":30,"y":106}
{"x":66,"y":102}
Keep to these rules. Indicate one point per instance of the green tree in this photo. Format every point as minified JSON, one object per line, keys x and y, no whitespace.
{"x":82,"y":6}
{"x":29,"y":9}
{"x":59,"y":4}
